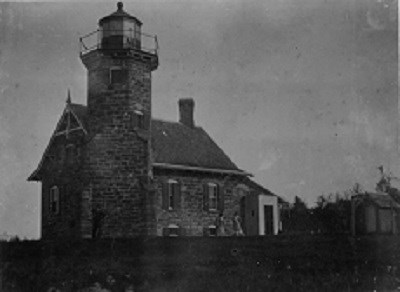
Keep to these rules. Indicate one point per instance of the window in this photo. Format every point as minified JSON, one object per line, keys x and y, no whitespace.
{"x":118,"y":76}
{"x":171,"y":195}
{"x":213,"y":196}
{"x":212,"y":230}
{"x":54,"y":200}
{"x":139,"y":119}
{"x":172,"y":189}
{"x":172,"y":230}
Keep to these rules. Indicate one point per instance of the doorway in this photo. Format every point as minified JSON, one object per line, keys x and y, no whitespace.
{"x":268,"y":220}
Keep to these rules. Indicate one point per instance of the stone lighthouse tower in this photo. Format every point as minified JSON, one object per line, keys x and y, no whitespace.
{"x":117,"y":166}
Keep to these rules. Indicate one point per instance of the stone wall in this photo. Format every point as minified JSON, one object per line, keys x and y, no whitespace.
{"x":190,"y":217}
{"x":117,"y":160}
{"x":64,"y":173}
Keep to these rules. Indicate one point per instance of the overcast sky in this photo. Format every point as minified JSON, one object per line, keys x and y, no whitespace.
{"x":303,"y":94}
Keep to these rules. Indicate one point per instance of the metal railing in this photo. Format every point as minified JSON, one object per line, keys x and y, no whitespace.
{"x":117,"y":40}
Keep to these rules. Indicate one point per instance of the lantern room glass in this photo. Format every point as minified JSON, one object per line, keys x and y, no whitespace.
{"x":121,"y":33}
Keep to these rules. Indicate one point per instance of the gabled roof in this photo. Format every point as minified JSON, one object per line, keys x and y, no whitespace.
{"x":257,"y":187}
{"x":174,"y":146}
{"x":175,"y":143}
{"x":78,"y":112}
{"x":260,"y":189}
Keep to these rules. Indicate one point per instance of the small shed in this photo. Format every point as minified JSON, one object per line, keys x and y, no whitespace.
{"x":375,"y":213}
{"x":261,"y":214}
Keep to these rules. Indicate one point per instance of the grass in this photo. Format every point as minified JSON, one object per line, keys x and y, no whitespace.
{"x":279,"y":263}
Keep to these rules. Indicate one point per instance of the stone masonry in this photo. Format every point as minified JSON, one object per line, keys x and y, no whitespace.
{"x":117,"y":157}
{"x":190,"y":217}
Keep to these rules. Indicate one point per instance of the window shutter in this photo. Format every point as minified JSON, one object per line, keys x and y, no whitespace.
{"x":165,"y":197}
{"x":50,"y":200}
{"x":206,"y":231}
{"x":221,"y":198}
{"x":206,"y":198}
{"x":177,"y":195}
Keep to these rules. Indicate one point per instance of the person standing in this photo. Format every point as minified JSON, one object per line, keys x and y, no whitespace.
{"x":220,"y":225}
{"x":237,"y":225}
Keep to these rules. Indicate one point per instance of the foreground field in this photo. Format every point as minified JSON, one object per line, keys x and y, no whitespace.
{"x":281,"y":263}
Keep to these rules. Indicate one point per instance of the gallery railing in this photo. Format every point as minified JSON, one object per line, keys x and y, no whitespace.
{"x":113,"y":40}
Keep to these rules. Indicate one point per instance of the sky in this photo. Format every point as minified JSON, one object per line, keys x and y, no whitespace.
{"x":302,"y":94}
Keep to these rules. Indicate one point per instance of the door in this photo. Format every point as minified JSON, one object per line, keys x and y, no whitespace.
{"x":268,"y":220}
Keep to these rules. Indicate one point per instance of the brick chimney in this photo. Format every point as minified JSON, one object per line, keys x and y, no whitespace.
{"x":186,"y":109}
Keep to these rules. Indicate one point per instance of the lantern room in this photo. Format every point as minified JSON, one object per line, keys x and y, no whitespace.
{"x":120,"y":35}
{"x":120,"y":30}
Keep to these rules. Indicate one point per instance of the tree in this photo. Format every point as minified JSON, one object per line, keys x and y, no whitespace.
{"x":297,"y":219}
{"x":333,"y":213}
{"x":299,"y":205}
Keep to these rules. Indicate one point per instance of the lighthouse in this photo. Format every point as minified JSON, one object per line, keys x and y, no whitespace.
{"x":117,"y":155}
{"x":112,"y":170}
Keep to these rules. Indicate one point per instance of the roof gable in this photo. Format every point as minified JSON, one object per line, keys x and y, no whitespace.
{"x":72,"y":119}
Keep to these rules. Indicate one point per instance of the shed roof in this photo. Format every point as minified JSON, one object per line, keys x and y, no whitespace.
{"x":382,"y":200}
